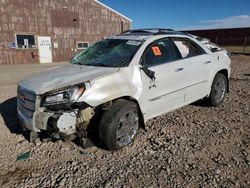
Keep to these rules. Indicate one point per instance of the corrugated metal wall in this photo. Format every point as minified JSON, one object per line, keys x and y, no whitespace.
{"x":54,"y":18}
{"x":225,"y":37}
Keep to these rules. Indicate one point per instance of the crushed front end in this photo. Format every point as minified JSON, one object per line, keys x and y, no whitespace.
{"x":57,"y":113}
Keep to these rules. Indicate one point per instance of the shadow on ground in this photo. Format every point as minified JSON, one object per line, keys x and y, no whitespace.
{"x":201,"y":103}
{"x":9,"y":113}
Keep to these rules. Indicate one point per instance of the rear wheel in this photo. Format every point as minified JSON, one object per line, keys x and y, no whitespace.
{"x":218,"y":90}
{"x":119,"y":125}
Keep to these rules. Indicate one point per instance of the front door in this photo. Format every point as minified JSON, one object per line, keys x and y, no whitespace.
{"x":44,"y":49}
{"x":166,"y":91}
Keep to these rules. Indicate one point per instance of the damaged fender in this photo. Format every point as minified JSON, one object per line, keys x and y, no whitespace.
{"x":113,"y":86}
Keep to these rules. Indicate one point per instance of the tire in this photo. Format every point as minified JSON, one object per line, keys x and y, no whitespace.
{"x":218,"y":90}
{"x":119,"y":125}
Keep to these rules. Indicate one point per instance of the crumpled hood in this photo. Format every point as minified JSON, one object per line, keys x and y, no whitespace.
{"x":61,"y":76}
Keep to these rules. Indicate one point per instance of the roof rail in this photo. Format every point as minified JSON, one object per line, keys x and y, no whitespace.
{"x":151,"y":31}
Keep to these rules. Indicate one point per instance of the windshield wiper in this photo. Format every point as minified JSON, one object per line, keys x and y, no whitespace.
{"x":126,"y":62}
{"x":78,"y":63}
{"x":100,"y":64}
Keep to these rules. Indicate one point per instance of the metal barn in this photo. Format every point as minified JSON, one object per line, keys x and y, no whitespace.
{"x":45,"y":31}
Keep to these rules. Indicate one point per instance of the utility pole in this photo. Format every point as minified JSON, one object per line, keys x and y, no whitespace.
{"x":245,"y":43}
{"x":216,"y":40}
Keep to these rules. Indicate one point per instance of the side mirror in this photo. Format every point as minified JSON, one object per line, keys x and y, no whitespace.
{"x":149,"y":73}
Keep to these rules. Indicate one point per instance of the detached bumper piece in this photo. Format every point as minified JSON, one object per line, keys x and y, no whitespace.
{"x":57,"y":124}
{"x":62,"y":125}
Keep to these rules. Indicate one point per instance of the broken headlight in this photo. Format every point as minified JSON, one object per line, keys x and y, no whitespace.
{"x":67,"y":95}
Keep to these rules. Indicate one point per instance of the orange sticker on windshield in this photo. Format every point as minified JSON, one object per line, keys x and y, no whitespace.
{"x":156,"y":50}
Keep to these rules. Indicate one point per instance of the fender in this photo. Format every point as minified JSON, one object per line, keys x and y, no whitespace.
{"x":125,"y":82}
{"x":221,"y":65}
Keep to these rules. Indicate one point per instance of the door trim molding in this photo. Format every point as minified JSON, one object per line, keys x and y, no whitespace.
{"x":160,"y":96}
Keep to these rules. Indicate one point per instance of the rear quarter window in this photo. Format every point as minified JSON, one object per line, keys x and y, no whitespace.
{"x":187,"y":48}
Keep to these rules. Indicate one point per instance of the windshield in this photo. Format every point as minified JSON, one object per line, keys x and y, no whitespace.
{"x":108,"y":53}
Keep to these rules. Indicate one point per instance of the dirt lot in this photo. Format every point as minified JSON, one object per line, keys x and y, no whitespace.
{"x":196,"y":146}
{"x":238,"y":49}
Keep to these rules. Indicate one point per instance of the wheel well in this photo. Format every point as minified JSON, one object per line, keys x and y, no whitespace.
{"x":128,"y":98}
{"x":225,"y":72}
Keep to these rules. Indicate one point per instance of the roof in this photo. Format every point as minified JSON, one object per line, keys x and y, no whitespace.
{"x":130,"y":37}
{"x":151,"y":31}
{"x":113,"y":10}
{"x":144,"y":34}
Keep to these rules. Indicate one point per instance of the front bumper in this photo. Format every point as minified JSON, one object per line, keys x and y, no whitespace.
{"x":36,"y":119}
{"x":26,"y":123}
{"x":49,"y":121}
{"x":33,"y":118}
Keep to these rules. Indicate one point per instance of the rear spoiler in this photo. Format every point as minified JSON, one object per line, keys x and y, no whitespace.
{"x":206,"y":42}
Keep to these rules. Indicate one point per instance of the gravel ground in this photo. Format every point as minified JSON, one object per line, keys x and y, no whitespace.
{"x":196,"y":146}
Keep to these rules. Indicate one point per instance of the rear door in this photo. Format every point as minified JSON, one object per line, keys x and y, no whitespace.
{"x":165,"y":92}
{"x":196,"y":67}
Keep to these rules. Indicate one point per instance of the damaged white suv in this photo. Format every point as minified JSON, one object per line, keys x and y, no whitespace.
{"x":119,"y":83}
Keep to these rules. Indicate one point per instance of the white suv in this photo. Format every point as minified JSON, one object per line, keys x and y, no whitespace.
{"x":119,"y":83}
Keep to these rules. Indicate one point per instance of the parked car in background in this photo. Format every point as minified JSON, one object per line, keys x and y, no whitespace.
{"x":122,"y":82}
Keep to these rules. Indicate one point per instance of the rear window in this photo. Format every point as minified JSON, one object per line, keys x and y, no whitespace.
{"x":187,"y":48}
{"x":211,"y":46}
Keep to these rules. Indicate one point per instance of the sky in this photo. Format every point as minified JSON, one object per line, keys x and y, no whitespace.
{"x":184,"y":15}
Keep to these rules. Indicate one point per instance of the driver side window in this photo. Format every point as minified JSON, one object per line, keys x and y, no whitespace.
{"x":159,"y":52}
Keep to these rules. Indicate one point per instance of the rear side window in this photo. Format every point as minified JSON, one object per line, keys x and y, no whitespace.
{"x":187,"y":47}
{"x":159,"y":52}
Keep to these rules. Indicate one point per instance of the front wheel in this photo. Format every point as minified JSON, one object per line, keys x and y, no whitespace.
{"x":119,"y":125}
{"x":218,"y":90}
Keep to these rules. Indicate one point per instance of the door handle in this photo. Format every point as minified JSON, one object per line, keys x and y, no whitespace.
{"x":208,"y":62}
{"x":179,"y":69}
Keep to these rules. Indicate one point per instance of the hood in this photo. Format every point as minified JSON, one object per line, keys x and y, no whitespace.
{"x":62,"y":76}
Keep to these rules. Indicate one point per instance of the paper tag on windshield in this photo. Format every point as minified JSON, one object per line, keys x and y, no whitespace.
{"x":133,"y":42}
